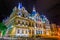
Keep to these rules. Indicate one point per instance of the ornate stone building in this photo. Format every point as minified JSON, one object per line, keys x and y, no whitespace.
{"x":24,"y":24}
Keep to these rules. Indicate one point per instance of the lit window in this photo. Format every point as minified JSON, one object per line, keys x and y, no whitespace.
{"x":38,"y":32}
{"x":33,"y":31}
{"x":37,"y":25}
{"x":22,"y":31}
{"x":29,"y":24}
{"x":26,"y":31}
{"x":24,"y":23}
{"x":29,"y":31}
{"x":21,"y":22}
{"x":18,"y":31}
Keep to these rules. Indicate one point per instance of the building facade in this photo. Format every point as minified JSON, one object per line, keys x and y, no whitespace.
{"x":21,"y":23}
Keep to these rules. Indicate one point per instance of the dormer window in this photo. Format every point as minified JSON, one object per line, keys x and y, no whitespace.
{"x":20,"y":14}
{"x":18,"y":21}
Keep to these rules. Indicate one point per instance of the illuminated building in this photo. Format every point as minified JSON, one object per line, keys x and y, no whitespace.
{"x":54,"y":29}
{"x":22,"y":24}
{"x":58,"y":30}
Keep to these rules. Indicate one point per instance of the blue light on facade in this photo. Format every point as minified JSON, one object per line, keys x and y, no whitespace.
{"x":33,"y":12}
{"x":20,"y":6}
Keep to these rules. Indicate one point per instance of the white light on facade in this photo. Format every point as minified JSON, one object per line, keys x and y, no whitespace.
{"x":20,"y":6}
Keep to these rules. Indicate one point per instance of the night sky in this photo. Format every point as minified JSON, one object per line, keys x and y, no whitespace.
{"x":50,"y":8}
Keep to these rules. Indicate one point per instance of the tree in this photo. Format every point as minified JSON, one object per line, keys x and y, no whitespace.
{"x":3,"y":28}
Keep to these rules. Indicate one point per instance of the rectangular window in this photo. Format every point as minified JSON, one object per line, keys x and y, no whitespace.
{"x":29,"y":31}
{"x":26,"y":31}
{"x":18,"y":31}
{"x":38,"y":32}
{"x":22,"y":31}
